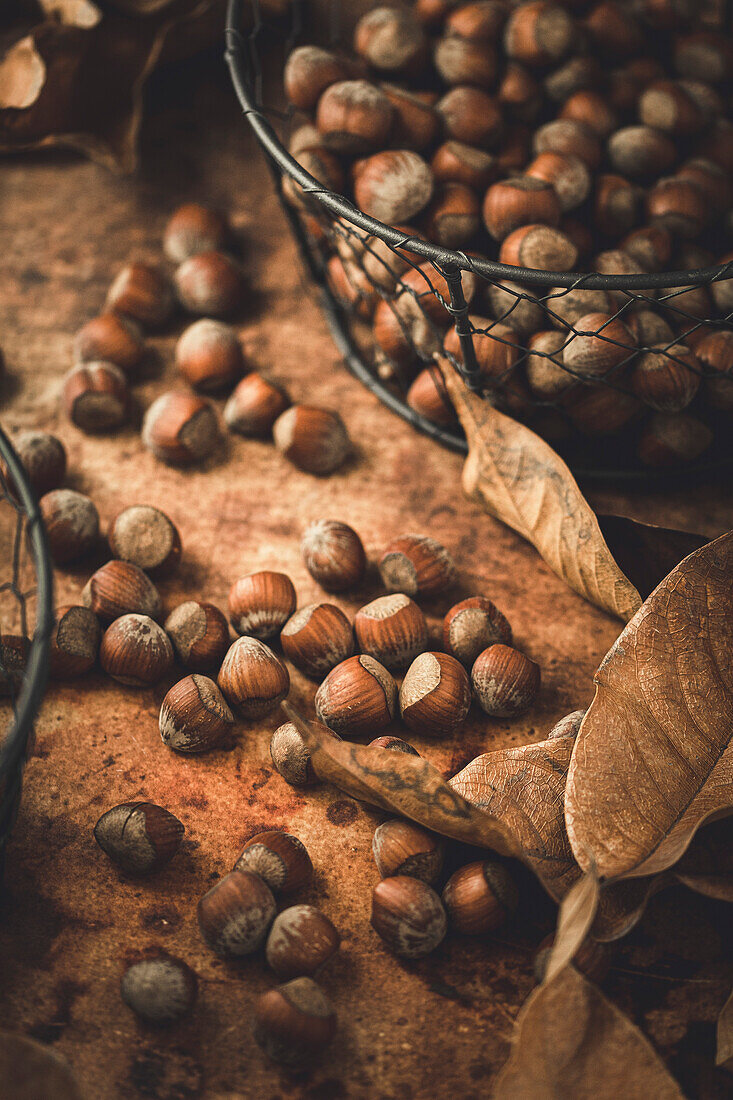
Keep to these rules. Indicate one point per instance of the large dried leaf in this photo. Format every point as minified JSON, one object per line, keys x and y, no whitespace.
{"x":29,"y":1071}
{"x":575,"y":919}
{"x":653,"y":758}
{"x":571,"y":1042}
{"x":22,"y":75}
{"x":724,"y":1052}
{"x":524,"y":483}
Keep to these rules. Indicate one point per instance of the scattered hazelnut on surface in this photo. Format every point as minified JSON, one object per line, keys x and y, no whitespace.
{"x":315,"y":440}
{"x":147,"y":537}
{"x":428,"y":396}
{"x":96,"y":397}
{"x":408,"y":915}
{"x":210,"y":283}
{"x":666,"y":378}
{"x":209,"y":355}
{"x":479,"y":897}
{"x":194,"y":228}
{"x":199,"y":633}
{"x":279,"y":859}
{"x":435,"y":695}
{"x":110,"y":338}
{"x":254,"y":405}
{"x":159,"y":988}
{"x":43,"y":458}
{"x":505,"y":681}
{"x":538,"y":33}
{"x":194,"y":716}
{"x":317,"y":638}
{"x":390,"y":39}
{"x":393,"y":744}
{"x":592,"y":959}
{"x":253,"y":679}
{"x":294,"y":1023}
{"x":416,"y":565}
{"x":333,"y":554}
{"x":119,"y":587}
{"x":392,"y":629}
{"x":302,"y":940}
{"x":135,"y":651}
{"x":261,"y":603}
{"x":471,"y":116}
{"x":523,"y":200}
{"x":74,"y":645}
{"x":309,"y":70}
{"x":180,"y":428}
{"x":235,"y":915}
{"x":72,"y":524}
{"x":671,"y":439}
{"x":291,"y":757}
{"x":538,"y":247}
{"x":139,"y":836}
{"x":401,"y":848}
{"x":602,"y":343}
{"x":568,"y":726}
{"x":354,"y":117}
{"x":357,"y":697}
{"x":143,"y":293}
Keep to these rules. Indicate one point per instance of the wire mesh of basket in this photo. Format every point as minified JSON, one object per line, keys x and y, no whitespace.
{"x":26,"y":620}
{"x":626,"y":371}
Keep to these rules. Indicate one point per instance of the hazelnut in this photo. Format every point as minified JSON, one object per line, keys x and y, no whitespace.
{"x":351,"y":287}
{"x":325,"y":167}
{"x":210,"y":283}
{"x":401,"y":848}
{"x":615,"y":261}
{"x":538,"y":33}
{"x":688,"y":302}
{"x":539,"y":247}
{"x":481,"y":21}
{"x":139,"y":837}
{"x":717,"y":145}
{"x":147,"y":537}
{"x":193,"y":715}
{"x":602,"y":410}
{"x":497,"y":347}
{"x":435,"y":695}
{"x":120,"y":587}
{"x":601,"y":344}
{"x":569,"y":726}
{"x":96,"y":397}
{"x":394,"y":185}
{"x":650,"y":247}
{"x":135,"y":651}
{"x":470,"y":115}
{"x":415,"y":124}
{"x":255,"y":405}
{"x":43,"y":458}
{"x":454,"y":162}
{"x":393,"y":744}
{"x":671,"y":439}
{"x":626,"y":83}
{"x":261,"y":603}
{"x":391,"y":40}
{"x":14,"y":654}
{"x":519,"y":93}
{"x":294,"y":1023}
{"x":452,"y":219}
{"x":567,"y":174}
{"x":291,"y":757}
{"x":592,"y":109}
{"x":613,"y":28}
{"x":354,"y":117}
{"x":668,"y":105}
{"x":431,"y":13}
{"x":546,"y":376}
{"x":180,"y":428}
{"x":383,"y":265}
{"x":666,"y":378}
{"x":722,"y":289}
{"x":143,"y":293}
{"x":408,"y":915}
{"x":473,"y":625}
{"x":252,"y":678}
{"x":711,"y":181}
{"x":392,"y":629}
{"x":592,"y":959}
{"x":479,"y":897}
{"x":416,"y":564}
{"x":313,"y":439}
{"x":72,"y":524}
{"x":112,"y":339}
{"x":521,"y":201}
{"x":333,"y":554}
{"x":679,"y":206}
{"x":515,"y":304}
{"x":428,"y":396}
{"x":715,"y":355}
{"x":279,"y":859}
{"x":574,"y":75}
{"x":199,"y":633}
{"x":465,"y":61}
{"x":357,"y":697}
{"x":648,"y":328}
{"x":74,"y":644}
{"x":192,"y":229}
{"x":302,"y":940}
{"x":703,"y":55}
{"x":505,"y":681}
{"x":209,"y":355}
{"x":317,"y":638}
{"x":616,"y":205}
{"x":159,"y":988}
{"x":566,"y":307}
{"x":569,"y":138}
{"x":309,"y":70}
{"x":235,"y":915}
{"x":640,"y":151}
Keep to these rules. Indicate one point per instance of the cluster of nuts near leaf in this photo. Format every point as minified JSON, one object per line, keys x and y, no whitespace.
{"x":542,"y":134}
{"x":182,"y":426}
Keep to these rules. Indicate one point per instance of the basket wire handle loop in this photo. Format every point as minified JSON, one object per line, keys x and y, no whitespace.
{"x":469,"y":368}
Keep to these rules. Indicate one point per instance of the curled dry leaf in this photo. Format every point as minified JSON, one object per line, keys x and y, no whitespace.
{"x":22,"y":74}
{"x":570,"y":1041}
{"x":575,"y":919}
{"x":29,"y":1070}
{"x":724,"y":1051}
{"x":653,"y":758}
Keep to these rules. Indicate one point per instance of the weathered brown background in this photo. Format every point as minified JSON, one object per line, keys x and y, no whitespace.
{"x":435,"y":1028}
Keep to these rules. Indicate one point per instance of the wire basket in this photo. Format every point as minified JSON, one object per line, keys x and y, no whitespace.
{"x":26,"y":604}
{"x":394,"y":301}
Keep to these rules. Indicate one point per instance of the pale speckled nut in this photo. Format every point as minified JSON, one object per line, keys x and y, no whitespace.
{"x":358,"y":697}
{"x":539,"y":247}
{"x":333,"y":554}
{"x":392,"y":629}
{"x":136,"y":652}
{"x":471,"y":116}
{"x":408,"y":915}
{"x":313,"y":439}
{"x":521,"y":314}
{"x":74,"y":644}
{"x":435,"y":695}
{"x":393,"y":186}
{"x":294,"y":1023}
{"x":254,"y":406}
{"x":180,"y":428}
{"x":111,"y":338}
{"x":390,"y":39}
{"x":254,"y":681}
{"x":96,"y":397}
{"x":291,"y":757}
{"x":194,"y":228}
{"x":301,"y":941}
{"x":505,"y":681}
{"x":147,"y":537}
{"x":354,"y":117}
{"x":159,"y":988}
{"x":649,"y":328}
{"x":480,"y":897}
{"x":317,"y":638}
{"x":604,"y":343}
{"x":460,"y":61}
{"x":546,"y":378}
{"x":416,"y":565}
{"x":211,"y":284}
{"x":569,"y":138}
{"x":569,"y":726}
{"x":119,"y":588}
{"x":209,"y":354}
{"x":640,"y":151}
{"x":43,"y":457}
{"x":142,"y":292}
{"x":139,"y":837}
{"x":261,"y":603}
{"x":194,"y":716}
{"x":279,"y":859}
{"x":235,"y":915}
{"x":71,"y":520}
{"x":200,"y":635}
{"x":402,"y":848}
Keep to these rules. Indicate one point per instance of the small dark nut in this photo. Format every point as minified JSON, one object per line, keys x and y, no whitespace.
{"x":193,"y":228}
{"x":313,"y":439}
{"x":74,"y":645}
{"x":357,"y":697}
{"x":480,"y":897}
{"x":279,"y":859}
{"x":253,"y":679}
{"x":408,"y":915}
{"x":261,"y":603}
{"x":392,"y":629}
{"x":294,"y":1023}
{"x":118,"y":588}
{"x":616,"y":205}
{"x":416,"y":565}
{"x":194,"y":716}
{"x":255,"y":405}
{"x":333,"y":554}
{"x":112,"y":339}
{"x":393,"y":744}
{"x":72,"y":524}
{"x":435,"y":695}
{"x":401,"y":848}
{"x":143,"y":293}
{"x":147,"y":537}
{"x":317,"y":638}
{"x":200,"y":635}
{"x":96,"y":397}
{"x":180,"y":428}
{"x":505,"y":681}
{"x":159,"y":988}
{"x":211,"y":284}
{"x":139,"y":837}
{"x":301,"y":941}
{"x":235,"y":915}
{"x":43,"y":458}
{"x":209,"y":355}
{"x":136,"y":652}
{"x":715,"y":354}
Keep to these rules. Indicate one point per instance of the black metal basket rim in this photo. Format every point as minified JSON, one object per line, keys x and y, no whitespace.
{"x":238,"y":62}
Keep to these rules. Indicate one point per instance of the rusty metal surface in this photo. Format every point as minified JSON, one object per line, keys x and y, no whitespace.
{"x":419,"y":1030}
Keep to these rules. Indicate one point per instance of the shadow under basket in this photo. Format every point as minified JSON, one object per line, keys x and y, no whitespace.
{"x":395,"y":301}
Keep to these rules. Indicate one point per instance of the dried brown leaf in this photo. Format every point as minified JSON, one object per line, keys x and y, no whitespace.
{"x":75,"y":13}
{"x":575,"y":919}
{"x":570,"y":1041}
{"x":524,"y":483}
{"x":22,"y":74}
{"x":653,"y":758}
{"x":724,"y":1051}
{"x":29,"y":1070}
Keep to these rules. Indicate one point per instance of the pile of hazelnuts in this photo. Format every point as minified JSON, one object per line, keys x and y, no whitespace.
{"x":182,"y":426}
{"x":547,"y":135}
